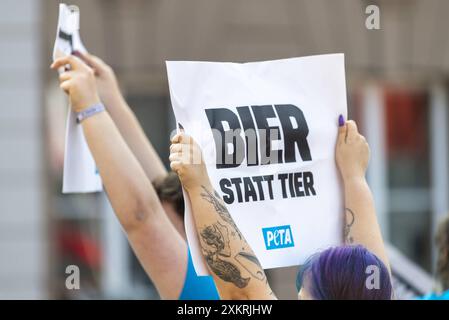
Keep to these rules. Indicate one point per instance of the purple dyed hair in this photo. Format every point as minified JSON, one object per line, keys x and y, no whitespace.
{"x":340,"y":273}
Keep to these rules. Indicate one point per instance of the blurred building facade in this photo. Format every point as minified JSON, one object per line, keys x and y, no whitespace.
{"x":397,"y":91}
{"x":23,"y":240}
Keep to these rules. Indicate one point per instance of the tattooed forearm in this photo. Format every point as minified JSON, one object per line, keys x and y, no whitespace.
{"x":350,"y":219}
{"x":215,"y":244}
{"x":220,"y":208}
{"x":216,"y":248}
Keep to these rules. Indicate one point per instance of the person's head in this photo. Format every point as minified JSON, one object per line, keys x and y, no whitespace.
{"x":343,"y":273}
{"x":442,"y":240}
{"x":169,"y":191}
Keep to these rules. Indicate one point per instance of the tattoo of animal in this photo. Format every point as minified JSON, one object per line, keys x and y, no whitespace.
{"x":226,"y":271}
{"x":216,"y":236}
{"x":214,"y":246}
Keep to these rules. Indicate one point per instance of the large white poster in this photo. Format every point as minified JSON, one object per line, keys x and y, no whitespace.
{"x":80,"y":172}
{"x":268,"y":132}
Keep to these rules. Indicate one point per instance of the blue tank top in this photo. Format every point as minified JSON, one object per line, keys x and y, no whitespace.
{"x":197,"y":287}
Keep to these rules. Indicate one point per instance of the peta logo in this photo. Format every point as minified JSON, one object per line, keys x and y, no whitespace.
{"x":278,"y":237}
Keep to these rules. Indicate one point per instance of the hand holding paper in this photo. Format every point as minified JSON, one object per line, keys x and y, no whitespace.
{"x":187,"y":161}
{"x":226,"y":251}
{"x":352,"y":152}
{"x":80,"y":171}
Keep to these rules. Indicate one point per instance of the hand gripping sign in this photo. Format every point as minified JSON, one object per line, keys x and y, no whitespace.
{"x":268,"y":132}
{"x":80,"y":172}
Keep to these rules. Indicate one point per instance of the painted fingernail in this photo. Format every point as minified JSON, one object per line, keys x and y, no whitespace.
{"x":341,"y":121}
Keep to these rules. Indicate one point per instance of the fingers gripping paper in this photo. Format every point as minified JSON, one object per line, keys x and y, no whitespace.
{"x":268,"y":132}
{"x":80,"y":172}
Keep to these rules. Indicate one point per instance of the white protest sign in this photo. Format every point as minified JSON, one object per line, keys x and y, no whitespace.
{"x":280,"y":184}
{"x":80,"y":172}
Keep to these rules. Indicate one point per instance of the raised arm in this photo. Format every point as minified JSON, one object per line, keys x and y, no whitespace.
{"x":124,"y":118}
{"x":361,"y":225}
{"x":236,"y":270}
{"x":159,"y":247}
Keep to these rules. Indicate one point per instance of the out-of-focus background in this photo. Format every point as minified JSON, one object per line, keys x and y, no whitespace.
{"x":397,"y":91}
